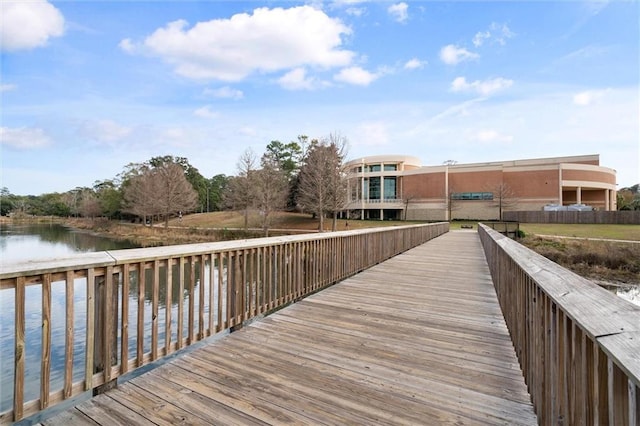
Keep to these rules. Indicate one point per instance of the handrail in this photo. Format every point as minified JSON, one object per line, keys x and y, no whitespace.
{"x":578,"y":344}
{"x":124,"y":295}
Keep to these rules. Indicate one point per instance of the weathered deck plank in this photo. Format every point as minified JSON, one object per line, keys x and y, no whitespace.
{"x":418,"y":339}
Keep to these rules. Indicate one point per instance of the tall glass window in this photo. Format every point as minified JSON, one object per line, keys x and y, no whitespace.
{"x":390,"y":167}
{"x":374,"y":168}
{"x":374,"y":188}
{"x":390,"y":188}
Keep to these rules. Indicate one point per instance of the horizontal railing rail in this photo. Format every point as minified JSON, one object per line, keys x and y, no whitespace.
{"x":578,"y":344}
{"x":120,"y":310}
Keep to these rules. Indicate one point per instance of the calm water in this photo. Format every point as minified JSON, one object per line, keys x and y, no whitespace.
{"x":41,"y":241}
{"x":28,"y":242}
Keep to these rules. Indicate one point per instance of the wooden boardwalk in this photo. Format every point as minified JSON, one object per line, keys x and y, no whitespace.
{"x":418,"y":339}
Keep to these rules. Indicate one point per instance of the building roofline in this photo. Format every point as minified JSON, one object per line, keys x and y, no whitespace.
{"x":413,"y":161}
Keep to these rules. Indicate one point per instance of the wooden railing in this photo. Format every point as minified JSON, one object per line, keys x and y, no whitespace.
{"x":136,"y":306}
{"x":577,"y":343}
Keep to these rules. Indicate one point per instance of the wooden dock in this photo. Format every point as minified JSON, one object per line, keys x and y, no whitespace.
{"x":418,"y":339}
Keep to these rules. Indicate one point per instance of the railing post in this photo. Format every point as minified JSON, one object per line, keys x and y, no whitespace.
{"x":106,"y":302}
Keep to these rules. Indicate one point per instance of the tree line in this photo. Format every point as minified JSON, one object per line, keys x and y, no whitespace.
{"x":304,"y":175}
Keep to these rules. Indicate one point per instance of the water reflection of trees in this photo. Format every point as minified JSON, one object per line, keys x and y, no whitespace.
{"x":78,"y":240}
{"x":162,"y":289}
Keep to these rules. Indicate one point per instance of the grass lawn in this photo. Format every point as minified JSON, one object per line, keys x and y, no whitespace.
{"x":614,"y":232}
{"x":281,"y":220}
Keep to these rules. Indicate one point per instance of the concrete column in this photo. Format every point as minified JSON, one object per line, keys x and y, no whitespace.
{"x":613,"y":201}
{"x":560,"y":200}
{"x":447,"y":196}
{"x":607,"y":200}
{"x":579,"y":195}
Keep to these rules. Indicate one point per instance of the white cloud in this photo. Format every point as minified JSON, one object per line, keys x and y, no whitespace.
{"x":206,"y":112}
{"x":127,"y":45}
{"x":490,"y":136}
{"x":24,"y":137}
{"x":497,"y":33}
{"x":29,"y":24}
{"x":176,"y":137}
{"x":587,"y":52}
{"x":356,"y":11}
{"x":356,"y":75}
{"x":453,"y":55}
{"x":480,"y":37}
{"x":248,"y":131}
{"x":225,"y":92}
{"x":7,"y":87}
{"x":297,"y":79}
{"x":268,"y":40}
{"x":339,"y":3}
{"x":104,"y":131}
{"x":414,"y":63}
{"x":484,"y":88}
{"x":399,"y":12}
{"x":372,"y":133}
{"x":588,"y":97}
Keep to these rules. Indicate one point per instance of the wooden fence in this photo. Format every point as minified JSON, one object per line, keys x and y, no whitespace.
{"x":140,"y":305}
{"x":578,"y":344}
{"x":630,"y":217}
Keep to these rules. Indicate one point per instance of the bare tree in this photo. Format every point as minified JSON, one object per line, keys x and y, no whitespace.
{"x":407,"y":197}
{"x":337,"y":176}
{"x":322,"y":186}
{"x":503,"y":197}
{"x":240,"y":193}
{"x":174,"y":193}
{"x":90,"y":205}
{"x":270,"y":190}
{"x":160,"y":190}
{"x":138,"y":195}
{"x":453,"y":203}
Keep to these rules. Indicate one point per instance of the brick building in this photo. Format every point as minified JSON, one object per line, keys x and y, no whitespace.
{"x":397,"y":187}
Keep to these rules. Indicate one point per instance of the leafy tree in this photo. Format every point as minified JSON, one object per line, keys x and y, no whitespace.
{"x":629,"y":198}
{"x":289,"y":158}
{"x":285,"y":157}
{"x":6,"y":201}
{"x":110,"y":197}
{"x":217,"y":186}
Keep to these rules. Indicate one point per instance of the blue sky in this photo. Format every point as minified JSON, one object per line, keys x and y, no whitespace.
{"x":90,"y":86}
